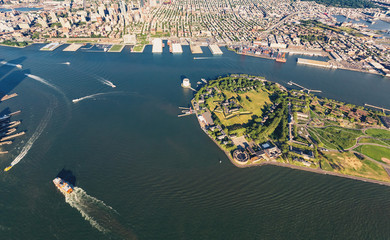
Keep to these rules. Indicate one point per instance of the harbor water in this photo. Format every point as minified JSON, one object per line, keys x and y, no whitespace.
{"x":143,"y":173}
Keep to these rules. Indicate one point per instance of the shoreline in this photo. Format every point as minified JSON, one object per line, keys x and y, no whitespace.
{"x":288,"y":165}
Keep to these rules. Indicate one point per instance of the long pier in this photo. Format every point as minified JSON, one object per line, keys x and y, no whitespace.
{"x":6,"y":97}
{"x":380,"y":108}
{"x":302,"y":87}
{"x":12,"y":136}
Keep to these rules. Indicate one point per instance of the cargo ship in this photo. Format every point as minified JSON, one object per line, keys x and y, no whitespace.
{"x":63,"y":186}
{"x":281,"y":58}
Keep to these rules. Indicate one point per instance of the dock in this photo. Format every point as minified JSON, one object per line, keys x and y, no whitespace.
{"x":302,"y":87}
{"x":51,"y":46}
{"x":315,"y":63}
{"x":215,"y":50}
{"x":157,"y":45}
{"x":6,"y":97}
{"x":186,"y":111}
{"x":176,"y":48}
{"x":73,"y":47}
{"x":12,"y":136}
{"x":5,"y":143}
{"x":195,"y":49}
{"x":14,"y":113}
{"x":380,"y":108}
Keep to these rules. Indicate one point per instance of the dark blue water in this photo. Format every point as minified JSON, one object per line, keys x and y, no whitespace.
{"x":143,"y":173}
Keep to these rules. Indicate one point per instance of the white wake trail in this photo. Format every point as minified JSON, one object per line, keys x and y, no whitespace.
{"x":11,"y":64}
{"x":41,"y":80}
{"x":42,"y":125}
{"x":95,"y":211}
{"x":91,"y":96}
{"x":106,"y":82}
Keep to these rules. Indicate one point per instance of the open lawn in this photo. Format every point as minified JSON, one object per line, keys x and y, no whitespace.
{"x":251,"y":107}
{"x":378,"y":133}
{"x":348,"y":163}
{"x":138,"y":48}
{"x":376,"y":141}
{"x":116,"y":48}
{"x":380,"y":154}
{"x":336,"y":137}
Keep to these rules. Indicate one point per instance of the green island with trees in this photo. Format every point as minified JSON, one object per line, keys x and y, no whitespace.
{"x":257,"y":122}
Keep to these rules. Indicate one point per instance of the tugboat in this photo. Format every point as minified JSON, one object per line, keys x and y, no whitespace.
{"x":281,"y":58}
{"x":63,"y":186}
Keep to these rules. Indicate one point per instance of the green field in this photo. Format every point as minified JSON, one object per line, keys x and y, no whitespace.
{"x":378,"y":133}
{"x":335,"y":137}
{"x":252,"y":107}
{"x":116,"y":48}
{"x":138,"y":48}
{"x":347,"y":163}
{"x":380,"y":154}
{"x":376,"y":141}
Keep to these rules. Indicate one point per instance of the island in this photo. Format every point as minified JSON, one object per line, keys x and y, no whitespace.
{"x":258,"y":122}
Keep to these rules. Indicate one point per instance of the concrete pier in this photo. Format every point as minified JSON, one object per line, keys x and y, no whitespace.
{"x":176,"y":48}
{"x":73,"y":47}
{"x":215,"y":50}
{"x":195,"y":49}
{"x":157,"y":45}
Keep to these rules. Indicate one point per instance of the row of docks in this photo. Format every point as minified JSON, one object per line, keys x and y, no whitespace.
{"x":157,"y":47}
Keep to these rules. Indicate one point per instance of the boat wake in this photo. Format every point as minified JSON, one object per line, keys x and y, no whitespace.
{"x":42,"y":125}
{"x":199,"y":58}
{"x":65,"y":63}
{"x":106,"y":82}
{"x":90,"y":96}
{"x":41,"y":80}
{"x":11,"y":64}
{"x":97,"y":213}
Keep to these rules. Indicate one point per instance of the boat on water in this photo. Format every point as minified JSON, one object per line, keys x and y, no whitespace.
{"x":63,"y":186}
{"x":281,"y":58}
{"x":8,"y":168}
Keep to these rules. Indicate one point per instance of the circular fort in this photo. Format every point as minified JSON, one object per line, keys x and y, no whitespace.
{"x":240,"y":156}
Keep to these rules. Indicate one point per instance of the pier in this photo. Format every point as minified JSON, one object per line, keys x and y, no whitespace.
{"x":157,"y":45}
{"x":302,"y":87}
{"x":12,"y":136}
{"x":6,"y":97}
{"x":73,"y":47}
{"x":51,"y":46}
{"x":380,"y":108}
{"x":215,"y":50}
{"x":176,"y":48}
{"x":186,"y":112}
{"x":195,"y":49}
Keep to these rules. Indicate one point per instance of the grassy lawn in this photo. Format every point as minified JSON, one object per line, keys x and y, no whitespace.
{"x":348,"y":163}
{"x":257,"y":100}
{"x":377,"y":141}
{"x":380,"y":154}
{"x":138,"y":48}
{"x":336,"y":137}
{"x":378,"y":133}
{"x":116,"y":48}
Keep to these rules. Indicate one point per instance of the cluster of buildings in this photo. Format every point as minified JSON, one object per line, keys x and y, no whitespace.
{"x":259,"y":27}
